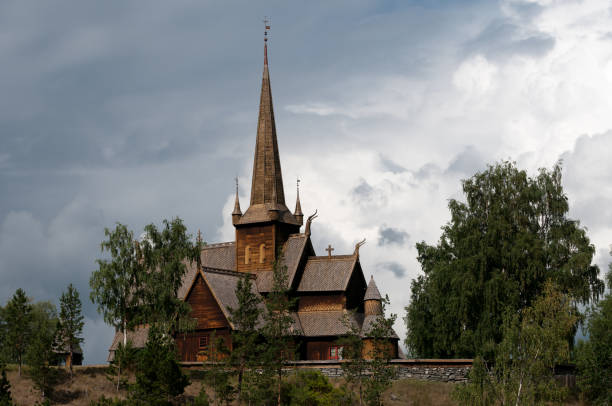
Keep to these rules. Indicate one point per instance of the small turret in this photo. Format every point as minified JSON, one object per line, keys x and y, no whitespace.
{"x":299,"y":216}
{"x":372,"y":300}
{"x":237,"y":213}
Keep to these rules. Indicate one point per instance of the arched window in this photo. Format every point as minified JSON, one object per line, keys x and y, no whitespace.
{"x":247,"y":254}
{"x":262,"y":253}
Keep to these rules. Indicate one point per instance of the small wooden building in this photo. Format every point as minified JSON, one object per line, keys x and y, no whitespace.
{"x":326,"y":287}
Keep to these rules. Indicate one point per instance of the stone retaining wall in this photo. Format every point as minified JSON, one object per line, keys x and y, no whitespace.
{"x":425,"y":369}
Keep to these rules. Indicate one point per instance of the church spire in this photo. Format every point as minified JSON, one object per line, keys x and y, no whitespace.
{"x":237,"y":213}
{"x":267,"y":186}
{"x":299,"y":216}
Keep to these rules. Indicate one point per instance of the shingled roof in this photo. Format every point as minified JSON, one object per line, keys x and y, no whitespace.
{"x":293,"y":250}
{"x":219,"y":256}
{"x":372,"y":292}
{"x":138,"y":337}
{"x":368,"y":324}
{"x":327,"y":274}
{"x":223,"y":287}
{"x":326,"y":323}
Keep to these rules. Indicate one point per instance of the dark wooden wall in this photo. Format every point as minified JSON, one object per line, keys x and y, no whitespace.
{"x":204,"y":307}
{"x":188,"y":344}
{"x":355,"y":290}
{"x":318,"y":349}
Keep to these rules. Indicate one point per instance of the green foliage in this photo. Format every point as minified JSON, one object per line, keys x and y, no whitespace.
{"x":278,"y":347}
{"x":114,"y":285}
{"x":245,"y":336}
{"x":202,"y":399}
{"x":159,"y":378}
{"x":125,"y":361}
{"x":355,"y":366}
{"x":5,"y":388}
{"x":368,"y":371}
{"x":104,"y":401}
{"x":495,"y":254}
{"x":381,"y":372}
{"x":259,"y":389}
{"x":39,"y":357}
{"x":70,"y":325}
{"x":312,"y":388}
{"x":523,"y":371}
{"x":594,"y":357}
{"x":219,"y":374}
{"x":18,"y":318}
{"x":165,"y":253}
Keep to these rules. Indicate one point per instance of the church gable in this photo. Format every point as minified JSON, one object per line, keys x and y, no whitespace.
{"x":204,"y":306}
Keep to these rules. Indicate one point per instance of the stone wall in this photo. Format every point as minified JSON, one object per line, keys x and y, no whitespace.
{"x":425,"y":369}
{"x":444,"y":370}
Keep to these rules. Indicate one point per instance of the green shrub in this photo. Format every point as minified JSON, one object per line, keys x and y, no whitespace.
{"x":312,"y":388}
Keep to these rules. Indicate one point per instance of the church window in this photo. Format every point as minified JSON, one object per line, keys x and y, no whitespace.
{"x":335,"y":352}
{"x":262,"y":253}
{"x":203,"y":342}
{"x":247,"y":254}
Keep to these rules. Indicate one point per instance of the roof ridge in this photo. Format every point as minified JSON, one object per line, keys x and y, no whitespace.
{"x":219,"y":244}
{"x":327,"y":257}
{"x":207,"y":269}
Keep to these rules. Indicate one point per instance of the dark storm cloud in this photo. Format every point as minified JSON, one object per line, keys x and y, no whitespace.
{"x":133,"y":112}
{"x":394,"y":267}
{"x":390,"y":235}
{"x":502,"y":38}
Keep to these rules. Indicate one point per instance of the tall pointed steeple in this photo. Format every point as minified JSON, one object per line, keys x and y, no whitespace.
{"x":299,"y":216}
{"x":237,"y":213}
{"x":267,"y":186}
{"x":267,"y":192}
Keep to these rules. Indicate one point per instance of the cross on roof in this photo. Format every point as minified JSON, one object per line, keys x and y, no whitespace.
{"x":329,"y":250}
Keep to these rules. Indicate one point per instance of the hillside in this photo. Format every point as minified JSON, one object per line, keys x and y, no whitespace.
{"x":90,"y":383}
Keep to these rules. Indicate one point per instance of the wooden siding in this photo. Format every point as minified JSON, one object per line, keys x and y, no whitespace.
{"x":319,"y":350}
{"x":188,"y":344}
{"x":368,"y":348}
{"x":318,"y":303}
{"x":355,"y":291}
{"x":204,"y":307}
{"x":373,"y":307}
{"x":254,"y":236}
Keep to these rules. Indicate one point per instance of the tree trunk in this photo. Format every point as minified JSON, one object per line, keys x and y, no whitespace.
{"x":240,"y":372}
{"x":280,"y":377}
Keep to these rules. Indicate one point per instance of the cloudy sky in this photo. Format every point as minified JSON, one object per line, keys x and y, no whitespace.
{"x":137,"y":111}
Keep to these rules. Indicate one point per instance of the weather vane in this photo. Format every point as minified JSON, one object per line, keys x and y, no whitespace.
{"x":266,"y":22}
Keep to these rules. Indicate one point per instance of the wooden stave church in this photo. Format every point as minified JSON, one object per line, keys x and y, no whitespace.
{"x":326,"y":287}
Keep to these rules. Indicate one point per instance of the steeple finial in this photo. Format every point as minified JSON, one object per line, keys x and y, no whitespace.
{"x":237,"y":213}
{"x":298,"y":207}
{"x":266,"y":22}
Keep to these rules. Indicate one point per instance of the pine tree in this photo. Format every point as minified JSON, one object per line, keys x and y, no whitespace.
{"x":355,"y":366}
{"x":159,"y":378}
{"x":382,"y":372}
{"x":277,"y":328}
{"x":245,"y":336}
{"x":39,"y":357}
{"x":18,"y":313}
{"x":70,"y":325}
